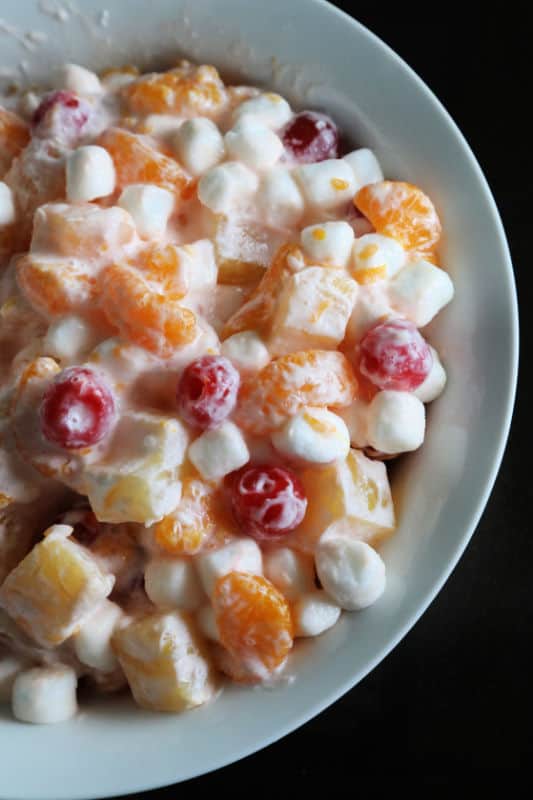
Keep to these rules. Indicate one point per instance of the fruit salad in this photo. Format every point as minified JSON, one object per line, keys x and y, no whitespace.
{"x":212,"y":340}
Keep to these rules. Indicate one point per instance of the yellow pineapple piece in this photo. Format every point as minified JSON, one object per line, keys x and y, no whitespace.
{"x":353,"y":493}
{"x":313,"y":311}
{"x":55,"y":588}
{"x":243,"y":250}
{"x":164,"y":664}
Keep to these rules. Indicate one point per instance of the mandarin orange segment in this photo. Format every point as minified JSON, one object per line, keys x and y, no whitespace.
{"x":254,"y":621}
{"x":187,"y":529}
{"x":258,"y":311}
{"x":402,"y":211}
{"x":164,"y":265}
{"x":148,"y":317}
{"x":14,"y":136}
{"x":136,"y":161}
{"x":283,"y":387}
{"x":186,"y":90}
{"x":56,"y":286}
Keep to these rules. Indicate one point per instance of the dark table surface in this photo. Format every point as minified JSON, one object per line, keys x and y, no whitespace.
{"x":455,"y":697}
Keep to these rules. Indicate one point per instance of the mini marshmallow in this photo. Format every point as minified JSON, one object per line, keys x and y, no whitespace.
{"x":206,"y":621}
{"x":420,"y":290}
{"x":218,"y":452}
{"x":396,"y":422}
{"x":350,"y":571}
{"x":290,"y":571}
{"x":328,"y":243}
{"x":380,"y":255}
{"x":10,"y":667}
{"x":45,"y":695}
{"x":7,"y":205}
{"x":69,"y":339}
{"x":247,"y":351}
{"x":163,"y":125}
{"x":173,"y":583}
{"x":371,"y":306}
{"x":150,"y":206}
{"x":227,"y":186}
{"x":252,"y":142}
{"x":326,"y":185}
{"x":269,"y":108}
{"x":279,"y":199}
{"x":314,"y":614}
{"x":199,"y":145}
{"x":355,"y":418}
{"x":365,"y":167}
{"x":239,"y":555}
{"x":313,"y":436}
{"x":92,"y":643}
{"x":90,"y":174}
{"x":77,"y":79}
{"x":199,"y":265}
{"x":435,"y":382}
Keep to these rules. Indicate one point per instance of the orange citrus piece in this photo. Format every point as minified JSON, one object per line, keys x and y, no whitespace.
{"x":188,"y":89}
{"x":254,"y":621}
{"x":14,"y":136}
{"x":136,"y":161}
{"x":306,"y":378}
{"x":402,"y":211}
{"x":145,"y":315}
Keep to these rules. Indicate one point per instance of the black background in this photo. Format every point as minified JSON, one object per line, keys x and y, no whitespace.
{"x":453,"y":702}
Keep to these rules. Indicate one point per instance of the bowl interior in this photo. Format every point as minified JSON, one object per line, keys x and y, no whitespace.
{"x":317,"y":57}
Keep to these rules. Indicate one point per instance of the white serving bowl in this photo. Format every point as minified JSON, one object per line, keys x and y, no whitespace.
{"x":321,"y":58}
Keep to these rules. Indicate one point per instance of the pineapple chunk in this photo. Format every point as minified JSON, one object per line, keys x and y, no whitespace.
{"x":354,"y":493}
{"x":243,"y":250}
{"x":163,"y":662}
{"x":138,"y":480}
{"x":313,"y":311}
{"x":55,"y":588}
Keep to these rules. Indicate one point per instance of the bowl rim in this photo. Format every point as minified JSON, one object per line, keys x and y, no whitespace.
{"x":499,"y":444}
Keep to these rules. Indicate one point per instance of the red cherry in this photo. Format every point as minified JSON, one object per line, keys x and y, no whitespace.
{"x":61,"y":115}
{"x":77,"y":410}
{"x":207,"y":391}
{"x":394,"y":355}
{"x":311,"y":137}
{"x":267,"y":501}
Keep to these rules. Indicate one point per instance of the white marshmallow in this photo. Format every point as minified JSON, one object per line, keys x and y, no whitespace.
{"x":355,"y":418}
{"x":163,"y":125}
{"x":420,"y":290}
{"x":326,"y":185}
{"x":7,"y":205}
{"x":77,"y":79}
{"x":150,"y":206}
{"x":90,"y":174}
{"x":227,"y":187}
{"x":396,"y":422}
{"x":239,"y":555}
{"x":45,"y":695}
{"x":269,"y":108}
{"x":313,"y":436}
{"x":92,"y":643}
{"x":199,"y":145}
{"x":218,"y":452}
{"x":365,"y":167}
{"x":173,"y":583}
{"x":435,"y":382}
{"x":371,"y":306}
{"x":313,"y":310}
{"x":314,"y":614}
{"x":252,"y":142}
{"x":246,"y":351}
{"x":279,"y":199}
{"x":350,"y":571}
{"x":374,"y":251}
{"x":10,"y":666}
{"x":290,"y":571}
{"x":328,"y":243}
{"x":69,"y":338}
{"x":206,"y":621}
